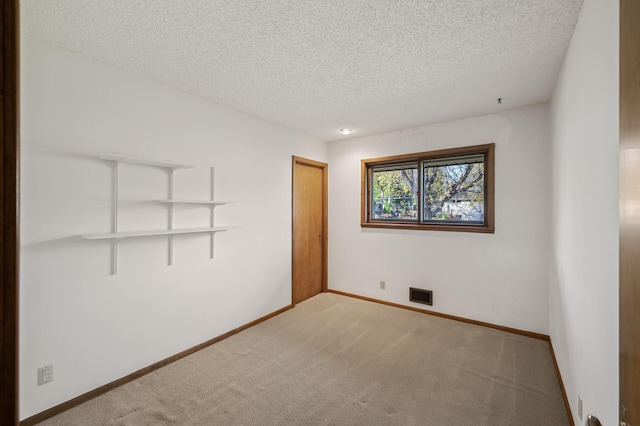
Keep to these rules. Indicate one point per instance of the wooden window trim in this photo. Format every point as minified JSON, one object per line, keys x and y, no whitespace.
{"x":488,"y":150}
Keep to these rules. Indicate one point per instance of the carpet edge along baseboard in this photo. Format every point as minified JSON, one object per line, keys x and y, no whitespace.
{"x":53,"y":411}
{"x":539,"y":336}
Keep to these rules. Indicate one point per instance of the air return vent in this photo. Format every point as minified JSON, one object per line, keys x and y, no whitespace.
{"x":421,"y":296}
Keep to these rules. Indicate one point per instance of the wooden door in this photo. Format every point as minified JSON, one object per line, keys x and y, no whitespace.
{"x":309,"y":229}
{"x":629,"y":212}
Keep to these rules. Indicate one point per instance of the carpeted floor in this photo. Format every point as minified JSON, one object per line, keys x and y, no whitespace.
{"x":335,"y":360}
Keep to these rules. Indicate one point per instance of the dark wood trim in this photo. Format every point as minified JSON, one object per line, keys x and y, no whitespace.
{"x":447,"y":316}
{"x":432,"y":155}
{"x":629,"y":218}
{"x":325,"y":227}
{"x":40,"y":417}
{"x":325,"y":214}
{"x":428,"y":227}
{"x":488,"y":150}
{"x":490,"y":188}
{"x":365,"y":197}
{"x":567,"y":406}
{"x":9,"y":219}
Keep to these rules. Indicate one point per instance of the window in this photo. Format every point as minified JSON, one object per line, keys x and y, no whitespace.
{"x":447,"y":190}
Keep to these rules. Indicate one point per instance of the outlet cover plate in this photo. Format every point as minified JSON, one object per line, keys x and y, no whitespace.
{"x":45,"y":374}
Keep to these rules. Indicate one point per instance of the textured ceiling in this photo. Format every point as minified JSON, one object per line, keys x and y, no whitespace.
{"x":318,"y":65}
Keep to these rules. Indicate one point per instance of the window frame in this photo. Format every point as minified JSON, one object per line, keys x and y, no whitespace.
{"x":488,"y":225}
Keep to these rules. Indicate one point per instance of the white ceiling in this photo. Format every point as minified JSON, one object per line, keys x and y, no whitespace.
{"x":318,"y":65}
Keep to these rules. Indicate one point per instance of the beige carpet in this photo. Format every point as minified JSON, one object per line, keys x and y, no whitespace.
{"x":335,"y":360}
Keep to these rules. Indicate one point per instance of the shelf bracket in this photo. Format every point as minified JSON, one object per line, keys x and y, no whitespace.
{"x":171,"y":216}
{"x":114,"y":220}
{"x":213,"y":209}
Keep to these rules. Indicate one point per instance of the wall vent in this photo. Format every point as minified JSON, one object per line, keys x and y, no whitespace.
{"x":421,"y":296}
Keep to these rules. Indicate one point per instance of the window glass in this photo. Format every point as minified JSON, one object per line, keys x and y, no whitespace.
{"x":454,"y":189}
{"x":395,"y":193}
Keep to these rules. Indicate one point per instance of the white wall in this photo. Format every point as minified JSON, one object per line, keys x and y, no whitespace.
{"x":500,"y":278}
{"x":584,"y":275}
{"x":92,"y":326}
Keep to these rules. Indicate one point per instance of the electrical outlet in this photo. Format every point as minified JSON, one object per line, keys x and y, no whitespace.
{"x":45,"y":374}
{"x":579,"y":407}
{"x":383,"y":284}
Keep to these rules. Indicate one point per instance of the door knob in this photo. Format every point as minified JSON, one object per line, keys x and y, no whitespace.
{"x":593,"y":421}
{"x":623,"y":415}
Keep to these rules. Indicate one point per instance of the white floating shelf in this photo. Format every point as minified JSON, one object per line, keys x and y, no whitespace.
{"x":165,"y":164}
{"x":123,"y":235}
{"x":217,"y":203}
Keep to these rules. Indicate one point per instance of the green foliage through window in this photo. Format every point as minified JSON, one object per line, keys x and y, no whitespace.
{"x":394,"y":195}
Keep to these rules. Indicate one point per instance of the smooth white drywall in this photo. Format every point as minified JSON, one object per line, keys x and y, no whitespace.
{"x":584,"y":267}
{"x":499,"y":278}
{"x":95,"y":327}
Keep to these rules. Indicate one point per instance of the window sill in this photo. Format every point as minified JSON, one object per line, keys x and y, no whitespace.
{"x":429,"y":227}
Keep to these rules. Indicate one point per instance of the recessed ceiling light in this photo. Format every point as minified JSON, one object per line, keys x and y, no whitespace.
{"x":345,"y":131}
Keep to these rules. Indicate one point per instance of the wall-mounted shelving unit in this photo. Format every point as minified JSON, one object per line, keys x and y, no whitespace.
{"x":115,"y":235}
